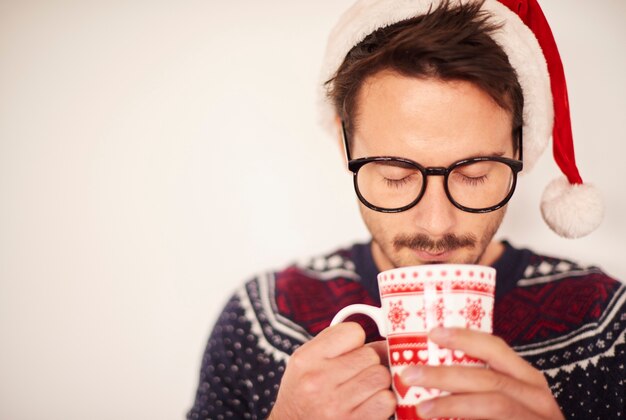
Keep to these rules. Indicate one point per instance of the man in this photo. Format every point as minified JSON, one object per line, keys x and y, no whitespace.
{"x":438,"y":108}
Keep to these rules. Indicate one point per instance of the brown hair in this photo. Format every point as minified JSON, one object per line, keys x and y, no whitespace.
{"x":447,"y":43}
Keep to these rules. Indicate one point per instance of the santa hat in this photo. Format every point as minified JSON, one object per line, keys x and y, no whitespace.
{"x":571,"y":208}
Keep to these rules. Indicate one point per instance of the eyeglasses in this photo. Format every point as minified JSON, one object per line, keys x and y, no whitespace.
{"x":392,"y":184}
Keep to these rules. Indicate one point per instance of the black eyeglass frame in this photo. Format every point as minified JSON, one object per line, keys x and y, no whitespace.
{"x":354,"y":165}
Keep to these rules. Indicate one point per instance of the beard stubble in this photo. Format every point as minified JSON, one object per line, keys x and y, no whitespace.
{"x":476,"y":245}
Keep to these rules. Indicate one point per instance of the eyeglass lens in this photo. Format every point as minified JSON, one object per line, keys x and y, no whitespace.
{"x":395,"y":184}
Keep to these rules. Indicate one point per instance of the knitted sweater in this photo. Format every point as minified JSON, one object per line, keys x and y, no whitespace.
{"x":567,"y":320}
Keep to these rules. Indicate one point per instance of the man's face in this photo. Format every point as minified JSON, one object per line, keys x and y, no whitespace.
{"x":434,"y":123}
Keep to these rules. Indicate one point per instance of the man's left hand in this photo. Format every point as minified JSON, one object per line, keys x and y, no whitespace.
{"x":509,"y":388}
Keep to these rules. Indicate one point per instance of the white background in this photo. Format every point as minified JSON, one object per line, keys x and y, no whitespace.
{"x":155,"y":154}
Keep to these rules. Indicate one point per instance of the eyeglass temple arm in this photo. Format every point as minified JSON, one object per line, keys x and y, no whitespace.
{"x":344,"y":136}
{"x":521,"y":145}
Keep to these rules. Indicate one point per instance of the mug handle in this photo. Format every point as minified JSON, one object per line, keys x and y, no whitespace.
{"x":372,"y":311}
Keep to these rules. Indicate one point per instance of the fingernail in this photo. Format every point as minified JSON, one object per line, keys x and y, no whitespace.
{"x":412,"y":375}
{"x":424,"y":409}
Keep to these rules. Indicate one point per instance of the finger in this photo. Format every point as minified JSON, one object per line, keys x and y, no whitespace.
{"x":337,"y":340}
{"x":489,"y":348}
{"x":364,"y":385}
{"x":381,"y":405}
{"x":382,"y":350}
{"x":471,"y":379}
{"x":350,"y":364}
{"x":475,"y":406}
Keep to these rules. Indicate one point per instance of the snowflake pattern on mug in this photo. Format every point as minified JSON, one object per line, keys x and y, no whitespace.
{"x":473,"y":312}
{"x":397,"y":315}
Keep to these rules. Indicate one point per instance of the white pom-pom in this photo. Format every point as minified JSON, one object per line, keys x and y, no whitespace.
{"x":570,"y":210}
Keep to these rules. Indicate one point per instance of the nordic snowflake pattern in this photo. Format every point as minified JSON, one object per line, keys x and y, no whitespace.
{"x":473,"y":312}
{"x":397,"y":315}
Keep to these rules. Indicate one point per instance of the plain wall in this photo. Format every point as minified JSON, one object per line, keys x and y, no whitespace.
{"x":156,"y":154}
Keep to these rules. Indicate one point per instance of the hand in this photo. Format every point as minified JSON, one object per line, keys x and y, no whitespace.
{"x":510,"y":388}
{"x":336,"y":376}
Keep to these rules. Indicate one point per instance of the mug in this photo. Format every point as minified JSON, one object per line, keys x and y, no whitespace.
{"x":414,"y":300}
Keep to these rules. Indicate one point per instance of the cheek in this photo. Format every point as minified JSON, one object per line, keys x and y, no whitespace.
{"x":481,"y":226}
{"x":384,"y":227}
{"x":473,"y":223}
{"x":371,"y":219}
{"x":374,"y":221}
{"x":486,"y":225}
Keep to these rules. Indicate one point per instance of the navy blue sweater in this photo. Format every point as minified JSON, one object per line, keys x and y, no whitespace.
{"x":566,"y":320}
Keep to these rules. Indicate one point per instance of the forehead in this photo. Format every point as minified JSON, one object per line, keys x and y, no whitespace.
{"x":426,"y":118}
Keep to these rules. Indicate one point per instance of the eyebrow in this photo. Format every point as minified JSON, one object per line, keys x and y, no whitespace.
{"x":395,"y":163}
{"x":495,"y":154}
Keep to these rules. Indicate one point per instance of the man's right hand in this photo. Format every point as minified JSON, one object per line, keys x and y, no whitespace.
{"x":336,"y":376}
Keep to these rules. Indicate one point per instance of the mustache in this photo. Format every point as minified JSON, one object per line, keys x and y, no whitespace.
{"x":423,"y":242}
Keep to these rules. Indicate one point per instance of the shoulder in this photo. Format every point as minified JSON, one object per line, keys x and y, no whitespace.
{"x":561,"y":279}
{"x":545,"y":269}
{"x":287,"y":307}
{"x":580,"y":293}
{"x":560,"y":284}
{"x":561,"y":314}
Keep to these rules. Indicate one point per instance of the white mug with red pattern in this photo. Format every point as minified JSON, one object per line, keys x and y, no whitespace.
{"x":417,"y":299}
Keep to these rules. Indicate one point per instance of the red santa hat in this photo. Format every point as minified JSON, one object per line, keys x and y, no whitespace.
{"x":570,"y":207}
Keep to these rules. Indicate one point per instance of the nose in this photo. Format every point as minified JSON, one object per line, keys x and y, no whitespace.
{"x":434,"y":214}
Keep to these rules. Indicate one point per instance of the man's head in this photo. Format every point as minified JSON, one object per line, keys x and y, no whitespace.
{"x":432,"y":40}
{"x":435,"y":89}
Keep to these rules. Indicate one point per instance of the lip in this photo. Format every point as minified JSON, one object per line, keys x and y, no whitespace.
{"x":430,"y":257}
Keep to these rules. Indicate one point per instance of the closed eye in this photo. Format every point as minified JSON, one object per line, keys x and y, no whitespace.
{"x":473,"y":180}
{"x":397,"y":183}
{"x":404,"y":181}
